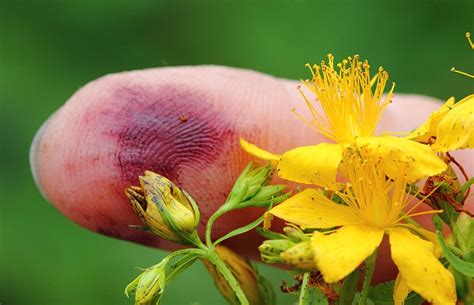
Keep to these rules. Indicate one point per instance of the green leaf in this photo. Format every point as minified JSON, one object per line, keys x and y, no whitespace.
{"x":311,"y":295}
{"x":456,"y":262}
{"x":243,"y":229}
{"x":175,"y":269}
{"x":382,"y":294}
{"x":265,"y":287}
{"x":269,"y":234}
{"x":465,"y":224}
{"x":464,"y":188}
{"x":349,"y":288}
{"x":356,"y":300}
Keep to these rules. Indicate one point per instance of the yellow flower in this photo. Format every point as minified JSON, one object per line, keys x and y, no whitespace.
{"x":450,"y":127}
{"x":374,"y":206}
{"x":349,"y":116}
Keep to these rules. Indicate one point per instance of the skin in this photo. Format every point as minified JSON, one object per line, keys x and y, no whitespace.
{"x":183,"y":123}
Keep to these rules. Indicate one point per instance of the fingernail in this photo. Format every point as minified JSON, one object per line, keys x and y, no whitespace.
{"x":34,"y":155}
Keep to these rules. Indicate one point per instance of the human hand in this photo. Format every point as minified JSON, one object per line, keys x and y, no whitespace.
{"x":183,"y":123}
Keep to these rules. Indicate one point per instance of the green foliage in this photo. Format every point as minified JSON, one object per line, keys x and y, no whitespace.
{"x":382,"y":294}
{"x":349,"y":288}
{"x":466,"y":268}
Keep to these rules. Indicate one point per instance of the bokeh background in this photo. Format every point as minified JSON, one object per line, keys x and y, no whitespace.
{"x":50,"y":48}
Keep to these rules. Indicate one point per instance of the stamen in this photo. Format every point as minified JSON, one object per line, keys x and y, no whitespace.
{"x":468,"y":37}
{"x":462,"y":72}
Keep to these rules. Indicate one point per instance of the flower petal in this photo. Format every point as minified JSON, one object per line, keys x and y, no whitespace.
{"x":339,"y":253}
{"x":417,"y":160}
{"x":425,"y":234}
{"x":312,"y":164}
{"x":419,"y":267}
{"x":456,"y":129}
{"x":428,"y":129}
{"x":257,"y":152}
{"x":400,"y":291}
{"x":311,"y":209}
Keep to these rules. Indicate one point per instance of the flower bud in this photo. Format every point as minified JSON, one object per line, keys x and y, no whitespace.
{"x":270,"y":250}
{"x":249,"y":183}
{"x":166,"y":210}
{"x":300,"y":256}
{"x":149,"y":285}
{"x":243,"y":272}
{"x":295,"y":234}
{"x":251,"y":189}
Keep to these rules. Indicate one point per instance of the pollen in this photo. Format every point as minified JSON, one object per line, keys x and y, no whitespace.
{"x":351,"y":100}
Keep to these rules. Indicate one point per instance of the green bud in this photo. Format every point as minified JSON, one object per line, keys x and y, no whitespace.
{"x":270,"y":194}
{"x":149,"y":285}
{"x":251,"y":189}
{"x":165,"y":209}
{"x":295,"y":234}
{"x":300,"y":256}
{"x":249,"y":183}
{"x":270,"y":250}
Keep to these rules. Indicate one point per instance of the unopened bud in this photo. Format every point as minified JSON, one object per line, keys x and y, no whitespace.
{"x":300,"y":256}
{"x":149,"y":285}
{"x":295,"y":234}
{"x":243,"y":273}
{"x":270,"y":250}
{"x":165,"y":209}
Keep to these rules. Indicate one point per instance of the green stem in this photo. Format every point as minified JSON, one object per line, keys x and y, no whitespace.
{"x":369,"y":272}
{"x":209,"y":225}
{"x":227,"y":274}
{"x":304,"y":289}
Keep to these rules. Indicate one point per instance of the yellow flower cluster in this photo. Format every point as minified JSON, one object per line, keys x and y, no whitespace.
{"x":370,"y":174}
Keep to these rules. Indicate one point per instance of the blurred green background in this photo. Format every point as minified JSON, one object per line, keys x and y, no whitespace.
{"x":48,"y":49}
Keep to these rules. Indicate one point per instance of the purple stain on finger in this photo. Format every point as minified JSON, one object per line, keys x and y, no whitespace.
{"x":166,"y":131}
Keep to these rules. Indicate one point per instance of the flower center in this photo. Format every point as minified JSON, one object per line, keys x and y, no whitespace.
{"x":379,"y":201}
{"x":349,"y":106}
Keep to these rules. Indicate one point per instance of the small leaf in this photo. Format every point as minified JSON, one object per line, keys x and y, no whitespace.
{"x":243,"y":229}
{"x":349,"y":288}
{"x":175,"y":269}
{"x":456,"y":262}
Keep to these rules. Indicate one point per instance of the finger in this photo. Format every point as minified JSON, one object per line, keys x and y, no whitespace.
{"x":183,"y":123}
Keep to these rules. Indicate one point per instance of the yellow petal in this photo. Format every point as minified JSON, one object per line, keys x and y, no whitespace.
{"x":400,"y":291}
{"x":401,"y":156}
{"x":311,"y":209}
{"x":258,"y":152}
{"x":456,"y":129}
{"x":428,"y":128}
{"x":419,"y":267}
{"x":339,"y":253}
{"x":312,"y":164}
{"x":425,"y":234}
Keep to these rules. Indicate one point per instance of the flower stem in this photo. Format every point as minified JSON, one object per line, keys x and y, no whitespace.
{"x":209,"y":225}
{"x":369,"y":272}
{"x":227,"y":274}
